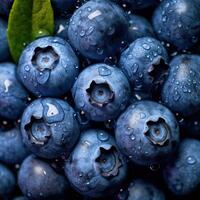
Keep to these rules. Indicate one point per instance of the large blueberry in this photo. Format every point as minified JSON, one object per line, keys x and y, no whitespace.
{"x":98,"y":29}
{"x":13,"y":96}
{"x":5,"y":6}
{"x":139,"y":27}
{"x":4,"y":48}
{"x":181,"y":90}
{"x":140,"y":189}
{"x":96,"y":168}
{"x":147,"y":132}
{"x":48,"y":67}
{"x":38,"y":180}
{"x":7,"y":182}
{"x":12,"y":149}
{"x":145,"y":64}
{"x":101,"y":92}
{"x":182,"y":174}
{"x":178,"y":22}
{"x":49,"y":127}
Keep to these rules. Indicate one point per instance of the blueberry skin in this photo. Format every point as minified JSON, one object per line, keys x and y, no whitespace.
{"x":98,"y":28}
{"x":61,"y":28}
{"x":147,"y":132}
{"x":145,"y":64}
{"x":139,"y":27}
{"x":5,"y":6}
{"x":101,"y":92}
{"x":182,"y":174}
{"x":49,"y":128}
{"x":62,"y":6}
{"x":181,"y":90}
{"x":48,"y":67}
{"x":13,"y":96}
{"x":178,"y":22}
{"x":7,"y":182}
{"x":4,"y":48}
{"x":140,"y":189}
{"x":38,"y":180}
{"x":12,"y":149}
{"x":96,"y":168}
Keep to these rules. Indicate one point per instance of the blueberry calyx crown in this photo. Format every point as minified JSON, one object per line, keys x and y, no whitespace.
{"x":108,"y":162}
{"x":158,"y":132}
{"x":39,"y":126}
{"x":45,"y":58}
{"x":100,"y":94}
{"x":38,"y":132}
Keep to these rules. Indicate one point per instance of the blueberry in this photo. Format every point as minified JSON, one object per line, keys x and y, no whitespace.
{"x":7,"y":182}
{"x":12,"y":149}
{"x":49,"y":127}
{"x":181,"y":90}
{"x":38,"y":180}
{"x":145,"y":64}
{"x":4,"y":48}
{"x":13,"y":96}
{"x":147,"y":132}
{"x":48,"y":67}
{"x":139,"y":27}
{"x":61,"y":7}
{"x":98,"y":29}
{"x":61,"y":28}
{"x":96,"y":168}
{"x":140,"y":189}
{"x":182,"y":174}
{"x":101,"y":92}
{"x":178,"y":22}
{"x":5,"y":6}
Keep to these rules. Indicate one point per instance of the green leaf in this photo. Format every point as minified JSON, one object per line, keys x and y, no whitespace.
{"x":28,"y":20}
{"x":42,"y":18}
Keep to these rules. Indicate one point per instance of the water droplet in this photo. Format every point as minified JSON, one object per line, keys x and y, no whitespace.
{"x":146,"y":46}
{"x":102,"y":136}
{"x":104,"y":71}
{"x":82,"y":33}
{"x":154,"y":167}
{"x":7,"y":84}
{"x":27,"y":68}
{"x":135,"y":67}
{"x":132,"y":137}
{"x":164,"y":19}
{"x":100,"y":51}
{"x":52,"y":110}
{"x":142,"y":115}
{"x":191,"y":160}
{"x":111,"y":30}
{"x":177,"y":96}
